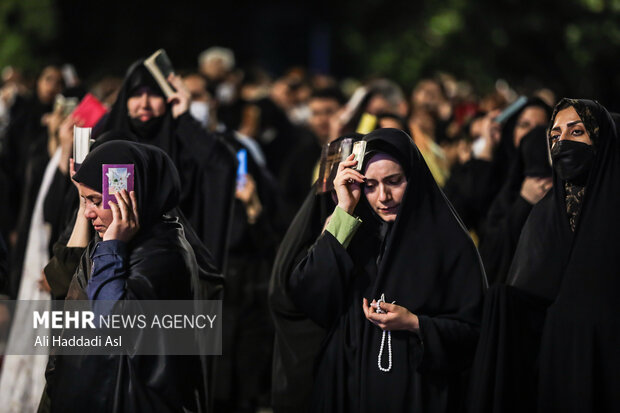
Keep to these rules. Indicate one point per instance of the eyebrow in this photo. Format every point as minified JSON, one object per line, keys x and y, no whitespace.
{"x":568,"y":125}
{"x":388,"y":177}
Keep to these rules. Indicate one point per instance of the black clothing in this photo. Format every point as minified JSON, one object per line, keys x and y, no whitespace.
{"x":161,"y":264}
{"x":575,"y":274}
{"x":26,"y":137}
{"x":206,"y":164}
{"x":243,"y":370}
{"x":298,"y":339}
{"x":509,"y":210}
{"x":426,"y":262}
{"x":297,"y":172}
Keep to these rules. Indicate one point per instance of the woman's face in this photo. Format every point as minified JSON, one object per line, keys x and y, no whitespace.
{"x":49,"y":84}
{"x":385,"y":186}
{"x":531,"y":117}
{"x":94,"y":211}
{"x":145,"y":104}
{"x":568,"y":126}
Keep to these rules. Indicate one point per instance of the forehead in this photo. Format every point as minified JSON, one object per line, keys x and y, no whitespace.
{"x":382,"y":165}
{"x":195,"y":82}
{"x":144,"y":89}
{"x":533,"y":111}
{"x":565,"y":116}
{"x":322,"y":102}
{"x":86,"y":191}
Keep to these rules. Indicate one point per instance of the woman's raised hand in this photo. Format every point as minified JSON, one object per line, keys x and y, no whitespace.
{"x":125,"y":223}
{"x":347,"y":184}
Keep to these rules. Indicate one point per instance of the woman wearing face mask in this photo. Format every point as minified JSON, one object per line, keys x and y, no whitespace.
{"x":206,"y":164}
{"x":551,"y":339}
{"x":394,"y":236}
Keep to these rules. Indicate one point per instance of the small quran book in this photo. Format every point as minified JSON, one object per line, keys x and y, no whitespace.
{"x":333,"y":153}
{"x":160,"y":66}
{"x":116,"y":177}
{"x":81,"y":145}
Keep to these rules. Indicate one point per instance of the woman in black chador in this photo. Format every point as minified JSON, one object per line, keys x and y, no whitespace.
{"x":206,"y":164}
{"x":141,"y":252}
{"x":550,"y":340}
{"x":400,"y":242}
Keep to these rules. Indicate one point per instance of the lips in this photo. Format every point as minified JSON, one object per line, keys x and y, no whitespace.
{"x":389,"y":210}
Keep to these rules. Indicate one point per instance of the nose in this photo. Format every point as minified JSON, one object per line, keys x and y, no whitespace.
{"x":384,"y":194}
{"x":89,"y":212}
{"x":144,"y":99}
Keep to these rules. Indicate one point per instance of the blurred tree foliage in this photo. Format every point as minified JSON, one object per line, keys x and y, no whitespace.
{"x":27,"y":29}
{"x":571,"y":46}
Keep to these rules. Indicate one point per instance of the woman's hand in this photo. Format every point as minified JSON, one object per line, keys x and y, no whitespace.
{"x":125,"y":223}
{"x":248,"y":194}
{"x":347,"y":184}
{"x":395,"y":317}
{"x":180,"y":100}
{"x":535,"y":189}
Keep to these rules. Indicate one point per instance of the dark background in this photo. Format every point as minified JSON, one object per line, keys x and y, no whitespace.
{"x":570,"y":46}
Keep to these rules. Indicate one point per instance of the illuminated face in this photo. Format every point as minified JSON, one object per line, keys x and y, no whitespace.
{"x":531,"y":117}
{"x":49,"y":84}
{"x":197,"y":87}
{"x":145,"y":104}
{"x":385,"y":186}
{"x":99,"y":217}
{"x":568,"y":126}
{"x":321,"y":111}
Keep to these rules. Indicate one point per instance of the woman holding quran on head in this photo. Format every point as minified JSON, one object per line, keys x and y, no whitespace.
{"x":207,"y":166}
{"x":396,"y":282}
{"x":141,"y":251}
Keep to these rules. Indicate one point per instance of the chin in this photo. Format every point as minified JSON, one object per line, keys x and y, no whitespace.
{"x":387,"y":217}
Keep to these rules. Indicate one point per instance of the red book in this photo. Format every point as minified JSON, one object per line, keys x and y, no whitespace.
{"x":89,"y":111}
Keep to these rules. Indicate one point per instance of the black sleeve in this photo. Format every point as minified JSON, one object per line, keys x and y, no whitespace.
{"x":208,"y":167}
{"x":449,"y":338}
{"x":500,"y":240}
{"x":63,"y":264}
{"x":471,"y":190}
{"x":318,"y":284}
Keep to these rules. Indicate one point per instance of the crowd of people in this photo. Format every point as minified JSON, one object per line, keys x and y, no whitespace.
{"x":464,"y":262}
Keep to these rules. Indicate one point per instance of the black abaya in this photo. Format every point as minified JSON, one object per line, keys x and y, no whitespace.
{"x":509,"y":210}
{"x":426,"y":263}
{"x":573,"y":276}
{"x":160,"y":264}
{"x":206,"y":164}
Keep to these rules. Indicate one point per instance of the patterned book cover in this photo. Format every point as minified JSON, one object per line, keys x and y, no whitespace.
{"x":116,"y":177}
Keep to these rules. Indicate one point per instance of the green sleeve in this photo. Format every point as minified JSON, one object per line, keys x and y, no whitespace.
{"x":343,"y":226}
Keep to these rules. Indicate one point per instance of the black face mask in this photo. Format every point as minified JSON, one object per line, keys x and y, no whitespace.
{"x":572,"y":160}
{"x":147,"y":129}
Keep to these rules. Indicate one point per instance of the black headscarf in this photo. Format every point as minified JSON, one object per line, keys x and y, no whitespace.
{"x":156,"y":131}
{"x":429,"y":265}
{"x":156,"y":181}
{"x":506,"y":148}
{"x":157,"y":188}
